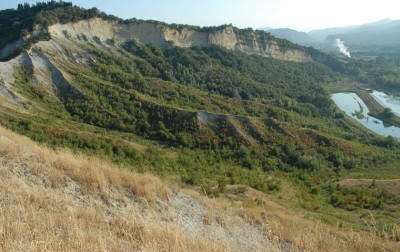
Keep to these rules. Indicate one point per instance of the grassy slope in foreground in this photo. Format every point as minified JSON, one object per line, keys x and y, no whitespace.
{"x":56,"y":200}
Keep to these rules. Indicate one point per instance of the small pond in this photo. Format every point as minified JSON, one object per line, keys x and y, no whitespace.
{"x":353,"y":106}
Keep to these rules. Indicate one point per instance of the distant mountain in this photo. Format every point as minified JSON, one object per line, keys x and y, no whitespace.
{"x":382,"y":33}
{"x":379,"y":36}
{"x":321,"y":35}
{"x":265,"y":28}
{"x":297,"y":37}
{"x":378,"y":25}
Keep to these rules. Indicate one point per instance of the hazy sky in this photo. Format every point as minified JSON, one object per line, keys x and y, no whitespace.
{"x":302,"y":15}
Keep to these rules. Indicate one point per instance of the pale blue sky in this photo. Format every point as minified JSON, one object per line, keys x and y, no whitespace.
{"x":296,"y":14}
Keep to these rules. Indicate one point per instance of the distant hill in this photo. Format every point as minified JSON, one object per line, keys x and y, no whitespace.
{"x":381,"y":24}
{"x":297,"y":37}
{"x":387,"y":26}
{"x":266,"y":28}
{"x":382,"y":33}
{"x":379,"y":36}
{"x":321,"y":35}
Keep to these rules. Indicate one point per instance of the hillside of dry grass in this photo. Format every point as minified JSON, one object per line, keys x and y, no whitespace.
{"x":56,"y":201}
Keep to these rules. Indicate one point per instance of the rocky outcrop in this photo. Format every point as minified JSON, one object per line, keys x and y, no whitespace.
{"x":101,"y":31}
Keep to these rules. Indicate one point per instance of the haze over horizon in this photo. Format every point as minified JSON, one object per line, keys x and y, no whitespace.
{"x":304,"y":15}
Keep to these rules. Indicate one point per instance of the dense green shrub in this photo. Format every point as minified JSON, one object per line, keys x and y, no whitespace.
{"x":351,"y":198}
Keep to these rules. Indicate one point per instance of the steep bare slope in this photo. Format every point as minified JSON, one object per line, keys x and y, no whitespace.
{"x":104,"y":31}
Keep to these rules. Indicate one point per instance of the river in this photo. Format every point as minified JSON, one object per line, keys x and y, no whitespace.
{"x":353,"y":106}
{"x":388,"y":101}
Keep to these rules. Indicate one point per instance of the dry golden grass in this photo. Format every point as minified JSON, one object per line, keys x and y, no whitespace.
{"x":89,"y":172}
{"x":36,"y":221}
{"x":60,"y":201}
{"x":283,"y":224}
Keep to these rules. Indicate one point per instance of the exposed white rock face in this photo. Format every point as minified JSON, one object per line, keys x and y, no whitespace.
{"x":186,"y":37}
{"x":103,"y":31}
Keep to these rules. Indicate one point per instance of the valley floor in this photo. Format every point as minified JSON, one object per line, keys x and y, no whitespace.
{"x":56,"y":201}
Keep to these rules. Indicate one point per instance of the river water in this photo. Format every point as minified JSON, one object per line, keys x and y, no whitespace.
{"x":353,"y":106}
{"x":388,"y":101}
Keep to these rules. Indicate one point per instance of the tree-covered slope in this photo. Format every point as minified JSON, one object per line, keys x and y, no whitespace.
{"x":18,"y":23}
